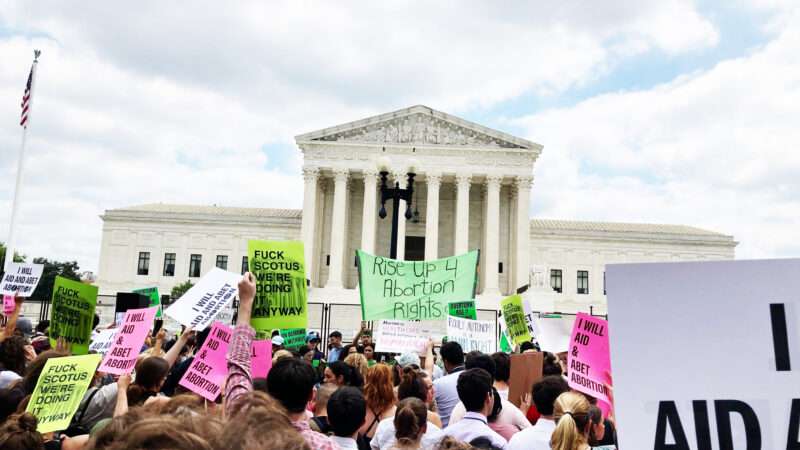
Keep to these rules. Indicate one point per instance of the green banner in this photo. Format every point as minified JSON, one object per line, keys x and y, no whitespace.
{"x":72,"y":313}
{"x":281,"y":297}
{"x":293,"y":338}
{"x":414,"y":290}
{"x":155,"y":298}
{"x":514,"y":315}
{"x":60,"y":389}
{"x":465,"y":310}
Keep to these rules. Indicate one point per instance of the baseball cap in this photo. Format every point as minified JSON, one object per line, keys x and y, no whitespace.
{"x":25,"y":326}
{"x":277,"y":340}
{"x":312,"y":336}
{"x":407,"y":359}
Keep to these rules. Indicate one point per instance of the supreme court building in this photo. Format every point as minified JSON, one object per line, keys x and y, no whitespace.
{"x":473,"y":189}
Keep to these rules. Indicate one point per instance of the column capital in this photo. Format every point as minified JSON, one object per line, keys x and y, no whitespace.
{"x":370,"y":174}
{"x":523,"y":182}
{"x":310,"y":173}
{"x":463,"y":179}
{"x":494,"y":180}
{"x":433,"y":178}
{"x":341,"y":174}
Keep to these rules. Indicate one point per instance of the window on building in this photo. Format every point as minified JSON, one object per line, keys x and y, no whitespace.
{"x":556,"y":280}
{"x":144,"y":263}
{"x":245,"y":265}
{"x":222,"y":262}
{"x":194,"y":265}
{"x":583,"y":282}
{"x":169,"y":264}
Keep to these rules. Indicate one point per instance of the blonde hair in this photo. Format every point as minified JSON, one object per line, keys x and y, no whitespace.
{"x":280,"y":354}
{"x":571,"y":413}
{"x":358,"y":361}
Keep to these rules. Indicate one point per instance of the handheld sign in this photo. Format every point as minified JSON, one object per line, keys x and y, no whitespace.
{"x":121,"y":357}
{"x":261,"y":358}
{"x":293,"y":338}
{"x":60,"y":389}
{"x":465,"y":310}
{"x":398,"y":336}
{"x":203,"y":302}
{"x":281,"y":296}
{"x":210,"y":365}
{"x":9,"y":304}
{"x":72,"y":313}
{"x":21,"y":278}
{"x":706,"y":354}
{"x":525,"y":370}
{"x":153,"y":295}
{"x":414,"y":290}
{"x":588,"y":360}
{"x":554,"y":332}
{"x":102,"y":340}
{"x":514,"y":316}
{"x":472,"y":334}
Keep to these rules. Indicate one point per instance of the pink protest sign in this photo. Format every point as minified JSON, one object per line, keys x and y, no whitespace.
{"x":261,"y":360}
{"x":121,"y":357}
{"x":210,"y":365}
{"x":589,"y":362}
{"x":8,"y":304}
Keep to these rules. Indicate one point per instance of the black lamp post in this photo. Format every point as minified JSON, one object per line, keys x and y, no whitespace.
{"x":395,"y":194}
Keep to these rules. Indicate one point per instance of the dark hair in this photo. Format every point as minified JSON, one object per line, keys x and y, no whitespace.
{"x":525,"y":346}
{"x":409,"y":419}
{"x":42,"y":326}
{"x":496,"y":407}
{"x":95,"y":321}
{"x":451,"y":353}
{"x":303,"y":349}
{"x":35,"y":368}
{"x":347,"y":408}
{"x":478,"y":360}
{"x":502,"y":366}
{"x":596,"y":418}
{"x":336,"y":334}
{"x":12,"y":354}
{"x":546,"y":391}
{"x":473,"y":386}
{"x":150,"y":374}
{"x":260,"y":384}
{"x":551,"y":365}
{"x":350,"y":375}
{"x":19,"y":433}
{"x":483,"y":443}
{"x":291,"y":382}
{"x":412,"y":386}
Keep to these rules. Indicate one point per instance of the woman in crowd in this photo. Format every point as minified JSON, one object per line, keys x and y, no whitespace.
{"x":379,"y":393}
{"x":502,"y":364}
{"x":571,"y":413}
{"x":358,"y":361}
{"x":410,"y":423}
{"x":13,"y":358}
{"x":342,"y":374}
{"x":369,"y":353}
{"x":503,"y":429}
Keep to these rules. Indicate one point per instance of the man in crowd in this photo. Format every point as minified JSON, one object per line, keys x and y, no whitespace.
{"x":320,"y":420}
{"x":474,"y":388}
{"x":545,"y":392}
{"x":347,"y":409}
{"x":334,"y":346}
{"x":445,"y":387}
{"x":312,"y":341}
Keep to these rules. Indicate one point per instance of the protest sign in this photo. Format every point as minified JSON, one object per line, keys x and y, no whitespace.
{"x":471,"y":334}
{"x":210,"y":366}
{"x":153,"y":295}
{"x":102,"y":340}
{"x":554,"y":332}
{"x":72,"y":313}
{"x":281,"y":297}
{"x":706,"y":354}
{"x":21,"y":278}
{"x":60,"y":389}
{"x":126,"y":301}
{"x":399,"y":336}
{"x":293,"y":338}
{"x":588,"y":360}
{"x":121,"y":357}
{"x":464,"y":310}
{"x":9,"y":304}
{"x":202,"y":302}
{"x":513,"y":313}
{"x":525,"y":370}
{"x":414,"y":290}
{"x":261,"y":358}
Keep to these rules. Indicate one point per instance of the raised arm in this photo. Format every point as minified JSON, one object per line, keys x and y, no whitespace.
{"x":240,"y":380}
{"x":175,"y":350}
{"x":427,"y":364}
{"x":122,"y":395}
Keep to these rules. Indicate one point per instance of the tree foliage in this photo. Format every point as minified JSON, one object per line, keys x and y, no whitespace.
{"x":44,"y":291}
{"x":180,"y":289}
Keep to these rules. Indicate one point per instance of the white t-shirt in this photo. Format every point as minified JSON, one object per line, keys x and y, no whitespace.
{"x":385,"y":436}
{"x":536,"y":437}
{"x":7,"y":377}
{"x":509,"y":415}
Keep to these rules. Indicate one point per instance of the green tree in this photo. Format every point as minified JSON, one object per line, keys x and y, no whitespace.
{"x":44,"y":291}
{"x":180,"y":289}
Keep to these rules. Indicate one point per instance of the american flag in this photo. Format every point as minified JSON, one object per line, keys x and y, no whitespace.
{"x":26,"y":100}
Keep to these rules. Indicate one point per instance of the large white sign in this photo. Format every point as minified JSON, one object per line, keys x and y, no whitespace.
{"x":553,"y":333}
{"x":706,"y":355}
{"x":399,"y":336}
{"x":21,"y":278}
{"x":472,"y":334}
{"x":203,"y":302}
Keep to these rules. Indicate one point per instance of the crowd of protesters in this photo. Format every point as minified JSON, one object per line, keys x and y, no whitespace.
{"x":347,"y":397}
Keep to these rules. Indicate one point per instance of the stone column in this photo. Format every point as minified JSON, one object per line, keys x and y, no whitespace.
{"x":401,"y":178}
{"x":307,"y":228}
{"x":523,"y":247}
{"x":462,"y":213}
{"x":368,"y":221}
{"x":434,"y":180}
{"x":338,"y":228}
{"x":492,"y":236}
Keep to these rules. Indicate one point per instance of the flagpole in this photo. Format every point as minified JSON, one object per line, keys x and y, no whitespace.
{"x":11,"y":242}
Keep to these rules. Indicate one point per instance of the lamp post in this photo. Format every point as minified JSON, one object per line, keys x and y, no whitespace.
{"x":395,"y":194}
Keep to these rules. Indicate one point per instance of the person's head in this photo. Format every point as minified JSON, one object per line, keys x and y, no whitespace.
{"x":347,"y":409}
{"x":597,"y":430}
{"x":18,"y":432}
{"x":312,"y":339}
{"x":24,"y":327}
{"x":255,"y":413}
{"x":342,"y":374}
{"x":474,"y":388}
{"x":478,"y":360}
{"x":281,"y":354}
{"x":526,"y":346}
{"x":497,"y":407}
{"x":379,"y":389}
{"x":277,"y":343}
{"x":359,"y":362}
{"x":349,"y":349}
{"x":321,"y":397}
{"x":452,"y":355}
{"x":12,"y":354}
{"x":551,"y":365}
{"x":369,"y":351}
{"x":546,"y":391}
{"x":335,"y":339}
{"x":571,"y":413}
{"x":42,"y":326}
{"x":291,"y":382}
{"x":407,"y":359}
{"x":366,"y":338}
{"x":483,"y":443}
{"x":150,"y":375}
{"x":502,"y":366}
{"x":412,"y":385}
{"x":307,"y":353}
{"x":410,"y":421}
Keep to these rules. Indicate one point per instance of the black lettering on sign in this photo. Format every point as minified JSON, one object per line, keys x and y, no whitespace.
{"x":793,"y":441}
{"x":780,"y":336}
{"x":701,"y":425}
{"x":752,"y":430}
{"x":668,"y":415}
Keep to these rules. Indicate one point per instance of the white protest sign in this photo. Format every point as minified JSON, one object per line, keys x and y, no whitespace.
{"x":554,"y":332}
{"x":706,"y":355}
{"x":472,"y":334}
{"x":399,"y":336}
{"x":102,"y":340}
{"x":200,"y":305}
{"x":22,"y":278}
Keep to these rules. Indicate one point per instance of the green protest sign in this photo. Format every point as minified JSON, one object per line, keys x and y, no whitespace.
{"x":281,"y":297}
{"x":72,"y":313}
{"x":153,"y":295}
{"x":60,"y":389}
{"x":465,"y":310}
{"x":514,"y":314}
{"x":293,"y":338}
{"x":414,"y":290}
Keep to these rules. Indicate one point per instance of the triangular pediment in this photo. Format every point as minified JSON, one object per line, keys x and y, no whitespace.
{"x":417,"y":125}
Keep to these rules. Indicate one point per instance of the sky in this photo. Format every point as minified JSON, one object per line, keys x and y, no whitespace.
{"x":667,"y":111}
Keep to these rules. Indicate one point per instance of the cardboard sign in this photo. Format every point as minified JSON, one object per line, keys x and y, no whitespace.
{"x":293,"y":338}
{"x":72,"y":313}
{"x":281,"y":297}
{"x":706,"y":354}
{"x":399,"y":336}
{"x":60,"y":389}
{"x":153,"y":295}
{"x":202,"y":302}
{"x":513,"y":311}
{"x":121,"y":357}
{"x":554,"y":332}
{"x":261,"y":360}
{"x":464,"y":310}
{"x":414,"y":290}
{"x":588,"y":360}
{"x":472,"y":334}
{"x":21,"y":278}
{"x":209,"y":366}
{"x":526,"y":369}
{"x":9,"y":304}
{"x":102,"y":340}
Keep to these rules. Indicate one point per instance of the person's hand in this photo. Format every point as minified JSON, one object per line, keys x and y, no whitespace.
{"x":30,"y":353}
{"x":63,"y":346}
{"x":247,"y":289}
{"x":18,"y":301}
{"x":123,"y":382}
{"x":162,"y":335}
{"x":187,"y":333}
{"x":525,"y":403}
